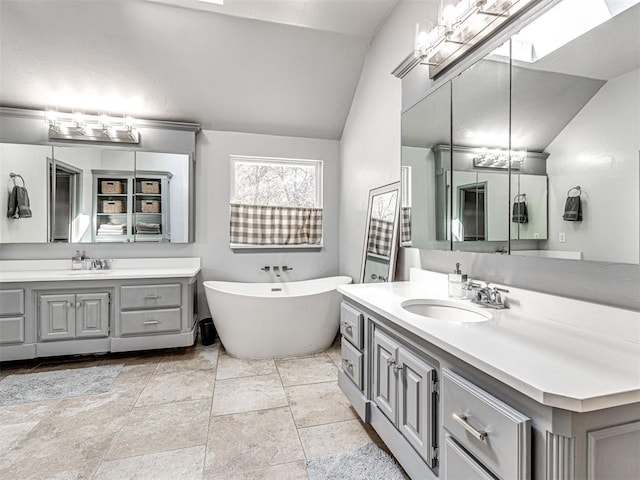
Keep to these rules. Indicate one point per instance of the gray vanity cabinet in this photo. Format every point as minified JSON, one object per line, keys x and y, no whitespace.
{"x":11,"y":316}
{"x":404,"y":389}
{"x":352,"y":374}
{"x":67,"y":316}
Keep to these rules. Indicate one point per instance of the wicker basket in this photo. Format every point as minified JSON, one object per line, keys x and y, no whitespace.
{"x":150,"y":206}
{"x":112,"y":206}
{"x":111,"y":186}
{"x":150,"y":186}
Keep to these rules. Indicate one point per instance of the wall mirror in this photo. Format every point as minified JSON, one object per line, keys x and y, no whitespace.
{"x":381,"y":234}
{"x":426,"y":169}
{"x":94,"y":195}
{"x":579,"y":103}
{"x":531,"y":121}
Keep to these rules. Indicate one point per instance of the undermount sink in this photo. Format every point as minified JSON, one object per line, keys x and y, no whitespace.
{"x":446,"y":310}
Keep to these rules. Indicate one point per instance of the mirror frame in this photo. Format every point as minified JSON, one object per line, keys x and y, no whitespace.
{"x":395,"y":186}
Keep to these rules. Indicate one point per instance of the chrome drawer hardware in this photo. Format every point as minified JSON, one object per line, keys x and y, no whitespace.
{"x":462,"y":420}
{"x":151,"y":322}
{"x":151,"y":297}
{"x":348,"y":328}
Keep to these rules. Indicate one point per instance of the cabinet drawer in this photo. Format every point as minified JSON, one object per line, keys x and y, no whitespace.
{"x":11,"y":330}
{"x":459,"y":465}
{"x":150,"y":321}
{"x":150,"y":296}
{"x":12,"y":302}
{"x":351,"y":363}
{"x":351,"y":321}
{"x":492,"y":431}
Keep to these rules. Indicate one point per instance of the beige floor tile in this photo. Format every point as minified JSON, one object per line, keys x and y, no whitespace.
{"x":311,"y":369}
{"x":251,"y":440}
{"x":46,"y":457}
{"x":286,"y":471}
{"x":11,"y":435}
{"x":231,"y":367}
{"x":183,"y":464}
{"x":132,"y":380}
{"x":160,"y":428}
{"x":26,"y":412}
{"x":318,"y":403}
{"x":332,"y":438}
{"x":191,"y":358}
{"x":335,"y":352}
{"x":235,"y":395}
{"x":177,"y":386}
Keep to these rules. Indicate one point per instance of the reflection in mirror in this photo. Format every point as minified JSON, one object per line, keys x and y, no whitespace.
{"x":381,"y":238}
{"x":29,"y":163}
{"x":84,"y":195}
{"x":426,"y":167}
{"x":161,"y":209}
{"x":97,"y":194}
{"x":480,"y":157}
{"x":579,"y":104}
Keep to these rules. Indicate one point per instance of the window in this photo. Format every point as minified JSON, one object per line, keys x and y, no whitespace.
{"x":275,"y":202}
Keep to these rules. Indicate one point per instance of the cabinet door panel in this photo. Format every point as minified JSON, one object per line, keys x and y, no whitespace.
{"x":57,"y":317}
{"x":92,"y":315}
{"x":416,"y":403}
{"x":384,"y":376}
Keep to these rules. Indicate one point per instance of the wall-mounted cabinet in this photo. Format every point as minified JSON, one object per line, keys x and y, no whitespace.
{"x":100,"y":194}
{"x":543,"y":122}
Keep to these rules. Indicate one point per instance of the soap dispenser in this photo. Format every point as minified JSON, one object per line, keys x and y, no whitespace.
{"x":456,"y":280}
{"x":77,"y":261}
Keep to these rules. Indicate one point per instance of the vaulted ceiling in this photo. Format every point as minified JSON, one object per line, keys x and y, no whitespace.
{"x":281,"y":67}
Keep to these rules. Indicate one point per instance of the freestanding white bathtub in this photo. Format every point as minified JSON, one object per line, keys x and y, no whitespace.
{"x":264,"y":320}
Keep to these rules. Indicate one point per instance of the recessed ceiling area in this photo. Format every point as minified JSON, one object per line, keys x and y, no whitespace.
{"x":280,"y":67}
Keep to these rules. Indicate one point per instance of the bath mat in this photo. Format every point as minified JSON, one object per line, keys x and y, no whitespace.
{"x":369,"y":462}
{"x":36,"y":387}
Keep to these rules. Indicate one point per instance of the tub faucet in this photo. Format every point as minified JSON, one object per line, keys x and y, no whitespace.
{"x":286,"y":269}
{"x":266,"y":268}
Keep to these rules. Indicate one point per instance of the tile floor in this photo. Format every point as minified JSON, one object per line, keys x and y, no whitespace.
{"x":193,"y":413}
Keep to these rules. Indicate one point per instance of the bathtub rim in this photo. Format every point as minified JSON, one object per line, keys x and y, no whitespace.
{"x":209,"y":284}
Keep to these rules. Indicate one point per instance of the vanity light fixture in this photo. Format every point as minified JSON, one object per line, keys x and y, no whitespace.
{"x":462,"y":25}
{"x":90,"y":128}
{"x":501,"y":159}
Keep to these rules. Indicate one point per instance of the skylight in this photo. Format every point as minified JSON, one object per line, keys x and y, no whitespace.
{"x":563,"y":23}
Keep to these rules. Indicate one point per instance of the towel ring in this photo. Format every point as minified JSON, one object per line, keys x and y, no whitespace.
{"x":13,"y":177}
{"x":579,"y":191}
{"x":523,"y":195}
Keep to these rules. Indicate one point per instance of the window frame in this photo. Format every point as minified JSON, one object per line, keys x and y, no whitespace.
{"x":319,"y":184}
{"x":317,"y":164}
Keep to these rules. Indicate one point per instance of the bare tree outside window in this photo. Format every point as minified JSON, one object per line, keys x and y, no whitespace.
{"x":284,"y":184}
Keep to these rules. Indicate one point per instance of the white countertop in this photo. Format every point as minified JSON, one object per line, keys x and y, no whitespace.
{"x":121,"y":268}
{"x":565,"y":364}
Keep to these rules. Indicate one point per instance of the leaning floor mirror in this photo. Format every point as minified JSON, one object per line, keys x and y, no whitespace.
{"x":381,"y":234}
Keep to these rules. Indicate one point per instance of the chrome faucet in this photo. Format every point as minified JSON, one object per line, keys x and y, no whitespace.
{"x":490,"y":297}
{"x":286,"y":269}
{"x":99,"y":264}
{"x":266,"y":268}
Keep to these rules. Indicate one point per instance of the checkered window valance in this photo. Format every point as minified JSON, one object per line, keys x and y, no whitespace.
{"x":380,"y":237}
{"x":405,"y":225}
{"x":265,"y":225}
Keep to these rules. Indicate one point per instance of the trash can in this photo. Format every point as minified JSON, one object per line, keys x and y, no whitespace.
{"x":207,"y":331}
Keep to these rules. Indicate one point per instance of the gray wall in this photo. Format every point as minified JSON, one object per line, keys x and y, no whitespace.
{"x":219,"y":262}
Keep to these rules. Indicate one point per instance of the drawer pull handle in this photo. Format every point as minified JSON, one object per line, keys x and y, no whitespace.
{"x":154,"y":322}
{"x":477,"y":434}
{"x":347,"y":363}
{"x":155,"y":297}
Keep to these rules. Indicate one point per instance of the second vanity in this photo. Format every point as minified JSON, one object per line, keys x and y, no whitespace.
{"x":47,"y":309}
{"x":548,"y":388}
